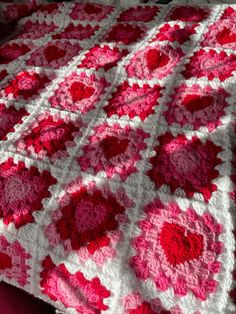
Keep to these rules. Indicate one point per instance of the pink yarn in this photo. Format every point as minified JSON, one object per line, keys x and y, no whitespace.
{"x":96,"y":233}
{"x":133,"y":100}
{"x":193,"y":270}
{"x":177,"y":160}
{"x":210,"y":64}
{"x":115,"y":150}
{"x":79,"y":92}
{"x":139,"y":14}
{"x":197,"y":106}
{"x":13,"y":261}
{"x":90,"y":11}
{"x":102,"y":57}
{"x":154,"y":62}
{"x":55,"y":55}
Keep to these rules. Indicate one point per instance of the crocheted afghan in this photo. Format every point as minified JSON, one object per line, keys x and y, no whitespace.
{"x":117,"y":169}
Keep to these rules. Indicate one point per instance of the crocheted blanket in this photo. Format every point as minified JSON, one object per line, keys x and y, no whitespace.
{"x":117,"y":129}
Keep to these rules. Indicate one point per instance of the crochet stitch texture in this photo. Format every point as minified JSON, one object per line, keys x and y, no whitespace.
{"x":117,"y":156}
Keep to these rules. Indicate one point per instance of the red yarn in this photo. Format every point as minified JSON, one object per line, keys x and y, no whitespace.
{"x":80,"y":91}
{"x":92,"y":9}
{"x":73,"y":290}
{"x":87,"y":219}
{"x":156,"y":59}
{"x":125,"y":33}
{"x":179,"y":244}
{"x":189,"y":14}
{"x":99,"y":243}
{"x":10,"y":52}
{"x":183,"y":34}
{"x":113,"y":146}
{"x":76,"y":32}
{"x":177,"y":163}
{"x":9,"y":117}
{"x":5,"y":261}
{"x":229,"y":13}
{"x":26,"y":85}
{"x":3,"y":74}
{"x":22,"y":191}
{"x":49,"y":8}
{"x":145,"y":308}
{"x":53,"y":53}
{"x":232,"y":294}
{"x":226,"y":37}
{"x":23,"y":10}
{"x":50,"y":135}
{"x":195,"y":103}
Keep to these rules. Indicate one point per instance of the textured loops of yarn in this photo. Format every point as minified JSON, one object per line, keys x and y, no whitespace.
{"x":117,"y":155}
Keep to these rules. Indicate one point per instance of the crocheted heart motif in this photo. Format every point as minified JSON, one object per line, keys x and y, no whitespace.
{"x":9,"y":55}
{"x":226,"y":37}
{"x":95,"y":214}
{"x":113,"y":146}
{"x":53,"y":53}
{"x":179,"y":244}
{"x":80,"y":91}
{"x":156,"y":59}
{"x":5,"y":261}
{"x":195,"y":103}
{"x":16,"y":189}
{"x":92,"y":9}
{"x":189,"y":14}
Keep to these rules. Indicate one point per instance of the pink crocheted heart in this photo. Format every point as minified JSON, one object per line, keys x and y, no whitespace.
{"x":179,"y":244}
{"x":53,"y":53}
{"x":80,"y":91}
{"x":86,"y":220}
{"x":16,"y":189}
{"x":113,"y":146}
{"x":156,"y":59}
{"x":195,"y":103}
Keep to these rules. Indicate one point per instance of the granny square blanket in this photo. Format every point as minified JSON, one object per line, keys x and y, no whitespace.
{"x":117,"y":157}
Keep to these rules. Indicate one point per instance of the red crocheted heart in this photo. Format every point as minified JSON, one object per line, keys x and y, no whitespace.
{"x":156,"y":59}
{"x":80,"y":91}
{"x":113,"y":146}
{"x":188,"y":14}
{"x":179,"y":244}
{"x":195,"y":103}
{"x":53,"y":53}
{"x":226,"y":37}
{"x":5,"y":261}
{"x":181,"y":35}
{"x":92,"y":9}
{"x":9,"y":56}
